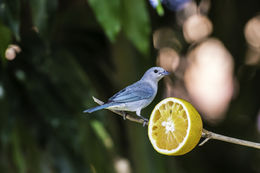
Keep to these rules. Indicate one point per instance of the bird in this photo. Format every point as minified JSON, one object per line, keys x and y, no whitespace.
{"x":137,"y":96}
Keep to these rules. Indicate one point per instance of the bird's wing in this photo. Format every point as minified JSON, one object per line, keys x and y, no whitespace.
{"x":135,"y":92}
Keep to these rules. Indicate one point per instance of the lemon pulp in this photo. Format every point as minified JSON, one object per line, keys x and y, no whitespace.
{"x":175,"y":127}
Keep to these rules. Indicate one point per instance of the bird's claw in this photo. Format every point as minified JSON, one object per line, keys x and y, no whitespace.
{"x":145,"y":120}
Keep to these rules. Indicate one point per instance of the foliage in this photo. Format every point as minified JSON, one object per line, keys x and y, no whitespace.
{"x":134,"y":23}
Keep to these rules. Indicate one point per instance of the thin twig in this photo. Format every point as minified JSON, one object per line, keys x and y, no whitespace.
{"x":210,"y":135}
{"x":204,"y":141}
{"x":205,"y":133}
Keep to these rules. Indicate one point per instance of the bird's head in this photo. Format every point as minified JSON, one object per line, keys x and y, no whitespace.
{"x":155,"y":74}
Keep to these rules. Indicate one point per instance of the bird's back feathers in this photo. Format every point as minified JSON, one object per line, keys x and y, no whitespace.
{"x":135,"y":92}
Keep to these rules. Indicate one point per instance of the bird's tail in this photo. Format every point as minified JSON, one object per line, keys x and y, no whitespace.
{"x":97,"y":108}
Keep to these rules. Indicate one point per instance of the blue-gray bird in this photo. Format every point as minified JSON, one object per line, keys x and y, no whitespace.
{"x":137,"y":96}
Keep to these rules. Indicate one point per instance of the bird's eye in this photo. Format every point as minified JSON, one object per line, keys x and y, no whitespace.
{"x":155,"y":71}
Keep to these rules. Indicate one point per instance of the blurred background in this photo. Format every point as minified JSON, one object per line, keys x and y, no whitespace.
{"x":56,"y":54}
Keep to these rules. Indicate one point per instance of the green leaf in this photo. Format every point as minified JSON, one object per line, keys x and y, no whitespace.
{"x":41,"y":11}
{"x":10,"y":15}
{"x":102,"y":133}
{"x":108,"y":15}
{"x":5,"y":39}
{"x":159,"y":9}
{"x":17,"y":153}
{"x":136,"y":24}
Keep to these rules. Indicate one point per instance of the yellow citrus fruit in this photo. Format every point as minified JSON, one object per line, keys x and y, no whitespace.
{"x":175,"y":127}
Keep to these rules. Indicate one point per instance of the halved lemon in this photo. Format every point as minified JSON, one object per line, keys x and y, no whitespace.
{"x":175,"y":127}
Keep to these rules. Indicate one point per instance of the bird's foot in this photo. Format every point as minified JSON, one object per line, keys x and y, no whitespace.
{"x":145,"y":120}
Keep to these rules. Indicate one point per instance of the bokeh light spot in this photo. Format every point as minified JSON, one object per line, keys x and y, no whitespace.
{"x":165,"y":37}
{"x":197,"y":27}
{"x":168,"y":59}
{"x":252,"y":32}
{"x":209,"y":78}
{"x":11,"y":51}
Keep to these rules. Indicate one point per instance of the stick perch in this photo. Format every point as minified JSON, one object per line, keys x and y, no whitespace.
{"x":205,"y":133}
{"x":210,"y":135}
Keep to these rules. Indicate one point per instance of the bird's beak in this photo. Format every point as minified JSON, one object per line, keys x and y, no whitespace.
{"x":165,"y":73}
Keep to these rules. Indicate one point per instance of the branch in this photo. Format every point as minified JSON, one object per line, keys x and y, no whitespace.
{"x":210,"y":135}
{"x":205,"y":133}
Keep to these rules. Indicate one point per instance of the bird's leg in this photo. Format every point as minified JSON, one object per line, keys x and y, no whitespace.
{"x":138,"y":113}
{"x":124,"y":115}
